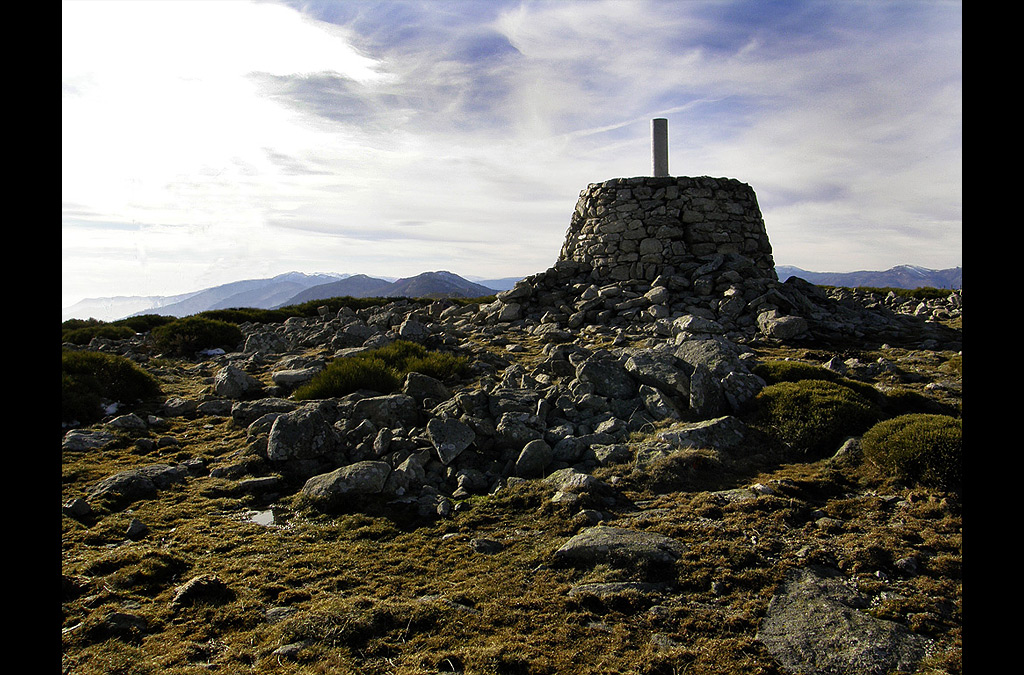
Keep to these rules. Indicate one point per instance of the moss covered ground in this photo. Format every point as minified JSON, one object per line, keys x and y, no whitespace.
{"x":384,"y":591}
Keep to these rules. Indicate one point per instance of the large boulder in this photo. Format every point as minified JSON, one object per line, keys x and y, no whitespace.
{"x":618,"y":547}
{"x":725,"y":434}
{"x":266,"y":342}
{"x":244,"y":413}
{"x":608,"y":377}
{"x":302,"y":434}
{"x":86,"y":439}
{"x":533,"y":459}
{"x":663,"y":371}
{"x":422,"y":387}
{"x":449,"y":438}
{"x":234,"y":383}
{"x":392,"y":410}
{"x":516,"y":429}
{"x":720,"y":379}
{"x":774,"y":325}
{"x":292,"y":378}
{"x":355,"y":480}
{"x":512,"y":399}
{"x":139,"y":483}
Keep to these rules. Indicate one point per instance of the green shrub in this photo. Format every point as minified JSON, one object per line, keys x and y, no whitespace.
{"x":399,"y":353}
{"x":346,"y":375}
{"x":71,"y":324}
{"x":925,"y":449}
{"x":334,"y":305}
{"x":82,"y":331}
{"x":773,"y":372}
{"x":382,"y":369}
{"x":85,"y":334}
{"x":438,"y":365}
{"x":144,"y":322}
{"x":409,"y":357}
{"x":906,"y":401}
{"x":185,"y":337}
{"x":243,"y":314}
{"x":814,"y":416}
{"x":90,"y":379}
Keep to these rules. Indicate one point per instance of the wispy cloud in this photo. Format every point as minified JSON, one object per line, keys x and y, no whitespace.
{"x":252,"y":138}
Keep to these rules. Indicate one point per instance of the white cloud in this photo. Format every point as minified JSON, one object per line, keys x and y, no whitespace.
{"x":248,"y":138}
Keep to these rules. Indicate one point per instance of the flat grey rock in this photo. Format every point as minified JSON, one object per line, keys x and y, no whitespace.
{"x":618,"y":546}
{"x":816,"y":624}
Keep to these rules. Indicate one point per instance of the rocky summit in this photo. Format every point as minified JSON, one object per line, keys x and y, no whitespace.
{"x":598,"y":490}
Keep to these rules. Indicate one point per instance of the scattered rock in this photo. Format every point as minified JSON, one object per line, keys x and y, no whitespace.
{"x":618,"y":547}
{"x":817,"y":624}
{"x":234,"y":383}
{"x":131,"y":422}
{"x":361,"y":478}
{"x":486,"y":546}
{"x":78,"y":508}
{"x":85,"y":439}
{"x":136,"y":529}
{"x":206,"y":588}
{"x":123,"y":625}
{"x":533,"y":459}
{"x":134,"y":484}
{"x":449,"y":438}
{"x":301,"y":434}
{"x":726,"y":434}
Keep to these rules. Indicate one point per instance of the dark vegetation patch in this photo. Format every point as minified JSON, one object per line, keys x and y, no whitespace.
{"x":814,"y":416}
{"x":382,"y":370}
{"x":186,"y":337}
{"x":925,"y":449}
{"x":82,"y":331}
{"x":90,"y":380}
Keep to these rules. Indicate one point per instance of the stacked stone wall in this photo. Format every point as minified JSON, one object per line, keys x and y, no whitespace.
{"x":645,"y":227}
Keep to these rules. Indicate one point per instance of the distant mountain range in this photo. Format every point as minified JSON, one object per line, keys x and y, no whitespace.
{"x":295,"y":288}
{"x":901,"y":276}
{"x":426,"y":285}
{"x":286,"y":289}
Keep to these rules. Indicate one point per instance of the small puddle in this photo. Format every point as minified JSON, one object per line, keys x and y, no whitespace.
{"x":265,"y":518}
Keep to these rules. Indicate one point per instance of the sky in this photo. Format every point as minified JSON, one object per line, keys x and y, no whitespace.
{"x":210,"y":141}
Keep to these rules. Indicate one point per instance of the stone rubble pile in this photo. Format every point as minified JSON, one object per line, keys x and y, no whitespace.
{"x":943,"y":308}
{"x":573,"y":410}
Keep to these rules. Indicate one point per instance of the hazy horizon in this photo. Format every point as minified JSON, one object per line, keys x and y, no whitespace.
{"x":114,"y":309}
{"x":209,"y":142}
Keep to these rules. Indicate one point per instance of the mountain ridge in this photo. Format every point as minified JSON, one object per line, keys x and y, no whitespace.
{"x":298,"y":287}
{"x":900,"y":276}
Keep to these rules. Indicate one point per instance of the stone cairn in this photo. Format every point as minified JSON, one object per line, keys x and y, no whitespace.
{"x":642,"y":228}
{"x":651,"y":248}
